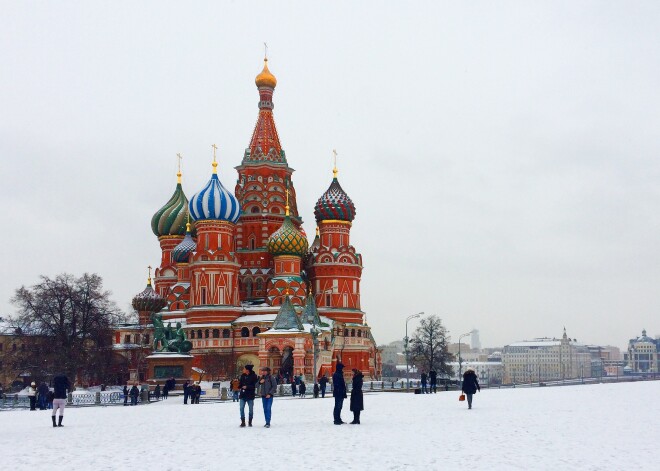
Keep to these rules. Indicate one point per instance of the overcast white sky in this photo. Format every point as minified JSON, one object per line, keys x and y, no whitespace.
{"x":503,"y":156}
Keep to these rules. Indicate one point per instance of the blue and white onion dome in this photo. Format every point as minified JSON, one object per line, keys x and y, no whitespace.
{"x":187,"y":245}
{"x":214,"y":202}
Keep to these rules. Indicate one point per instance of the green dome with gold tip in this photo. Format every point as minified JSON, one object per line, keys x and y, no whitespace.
{"x":288,"y":240}
{"x":171,"y":219}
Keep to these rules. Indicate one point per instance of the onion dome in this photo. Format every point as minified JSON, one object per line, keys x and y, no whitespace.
{"x":187,"y":245}
{"x":148,"y":300}
{"x":265,"y":78}
{"x":170,"y":220}
{"x":288,"y":240}
{"x":214,"y":201}
{"x":334,"y":204}
{"x":286,"y":318}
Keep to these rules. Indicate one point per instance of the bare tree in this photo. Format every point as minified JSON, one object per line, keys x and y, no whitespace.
{"x":72,"y":318}
{"x":216,"y":364}
{"x":428,"y":346}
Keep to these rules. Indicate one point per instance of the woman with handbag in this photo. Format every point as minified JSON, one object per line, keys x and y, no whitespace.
{"x":470,"y":385}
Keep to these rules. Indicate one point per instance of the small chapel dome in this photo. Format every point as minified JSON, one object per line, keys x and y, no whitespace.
{"x":187,"y":245}
{"x":265,"y":78}
{"x":148,"y":300}
{"x":288,"y":240}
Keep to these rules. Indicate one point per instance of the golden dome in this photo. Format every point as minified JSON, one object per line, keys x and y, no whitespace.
{"x":265,"y":78}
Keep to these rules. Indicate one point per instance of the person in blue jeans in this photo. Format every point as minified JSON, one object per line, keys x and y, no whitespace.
{"x":267,"y":389}
{"x":248,"y":383}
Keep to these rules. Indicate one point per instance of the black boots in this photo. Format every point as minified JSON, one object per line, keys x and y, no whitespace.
{"x":356,"y":418}
{"x":53,"y":417}
{"x":243,"y":422}
{"x":59,"y":422}
{"x":250,"y":421}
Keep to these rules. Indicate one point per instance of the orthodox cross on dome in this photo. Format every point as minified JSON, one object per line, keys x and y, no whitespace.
{"x":265,"y":51}
{"x":149,"y":278}
{"x":178,"y":173}
{"x":286,"y":208}
{"x":215,"y":163}
{"x":334,"y":170}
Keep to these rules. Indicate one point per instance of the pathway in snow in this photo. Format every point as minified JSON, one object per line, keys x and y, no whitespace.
{"x":591,"y":427}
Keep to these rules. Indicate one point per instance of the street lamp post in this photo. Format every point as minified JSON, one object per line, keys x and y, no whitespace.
{"x":315,"y":341}
{"x":413,"y":316}
{"x":460,"y":363}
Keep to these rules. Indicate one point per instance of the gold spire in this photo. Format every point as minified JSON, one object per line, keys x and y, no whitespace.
{"x":334,"y":170}
{"x":149,"y":278}
{"x":188,"y":222}
{"x":286,"y":208}
{"x":215,"y":163}
{"x":178,"y":173}
{"x":317,"y":231}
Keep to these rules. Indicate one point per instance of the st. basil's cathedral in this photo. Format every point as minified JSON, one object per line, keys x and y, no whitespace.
{"x":239,"y":276}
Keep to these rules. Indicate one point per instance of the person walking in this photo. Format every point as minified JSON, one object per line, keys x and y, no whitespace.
{"x":196,"y":392}
{"x":303,"y":389}
{"x":267,"y":389}
{"x":470,"y":385}
{"x":49,"y":399}
{"x":43,"y":395}
{"x":32,"y":395}
{"x":125,"y":391}
{"x":157,"y":392}
{"x":166,"y":390}
{"x":316,"y":390}
{"x":134,"y":393}
{"x":338,"y":392}
{"x":357,"y":398}
{"x":235,"y":389}
{"x":424,"y":379}
{"x":186,"y":392}
{"x":433,"y":382}
{"x":61,"y":386}
{"x":248,"y":382}
{"x":323,"y":382}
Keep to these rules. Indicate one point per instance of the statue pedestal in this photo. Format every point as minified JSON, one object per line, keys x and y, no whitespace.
{"x":162,"y":366}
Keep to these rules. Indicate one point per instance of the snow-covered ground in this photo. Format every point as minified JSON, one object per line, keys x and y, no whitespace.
{"x":590,"y":427}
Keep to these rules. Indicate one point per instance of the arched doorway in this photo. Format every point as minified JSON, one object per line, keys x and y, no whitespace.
{"x":286,"y":367}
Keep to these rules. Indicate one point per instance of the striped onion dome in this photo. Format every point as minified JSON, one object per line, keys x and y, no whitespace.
{"x":288,"y":240}
{"x":334,"y":204}
{"x":214,"y":202}
{"x":187,"y":245}
{"x":170,"y":220}
{"x":148,"y":300}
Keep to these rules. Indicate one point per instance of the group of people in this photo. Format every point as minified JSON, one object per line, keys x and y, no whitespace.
{"x":431,"y":378}
{"x":133,"y":394}
{"x":192,"y":392}
{"x":41,"y":395}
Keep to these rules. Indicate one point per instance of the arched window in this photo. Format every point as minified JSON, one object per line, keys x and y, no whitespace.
{"x":345,"y":332}
{"x":245,"y":332}
{"x":216,"y":333}
{"x":192,"y":334}
{"x":226,"y":333}
{"x":260,"y":284}
{"x":199,"y":334}
{"x":248,"y":288}
{"x":206,"y":333}
{"x":255,"y":209}
{"x":255,"y":331}
{"x":359,"y":333}
{"x":352,"y":332}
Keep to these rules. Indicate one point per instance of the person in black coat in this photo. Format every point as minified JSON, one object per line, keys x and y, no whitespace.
{"x":61,"y":386}
{"x":433,"y":381}
{"x":339,"y":393}
{"x":357,"y":398}
{"x":125,"y":391}
{"x":424,"y":377}
{"x":157,"y":392}
{"x":303,"y":389}
{"x":293,"y":387}
{"x":248,"y":383}
{"x":186,"y":392}
{"x":470,"y":385}
{"x":323,"y":382}
{"x":43,"y":393}
{"x":134,"y":393}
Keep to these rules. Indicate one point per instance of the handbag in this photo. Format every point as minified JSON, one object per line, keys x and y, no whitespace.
{"x":461,"y":397}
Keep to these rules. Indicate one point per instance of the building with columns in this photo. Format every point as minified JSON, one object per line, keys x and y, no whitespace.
{"x":238,"y":273}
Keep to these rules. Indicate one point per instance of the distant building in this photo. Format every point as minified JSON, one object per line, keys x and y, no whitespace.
{"x":643,"y":354}
{"x":475,"y":343}
{"x":546,"y":359}
{"x":488,"y":372}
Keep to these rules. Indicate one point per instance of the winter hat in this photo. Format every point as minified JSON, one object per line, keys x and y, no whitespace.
{"x":249,"y":367}
{"x":33,"y":384}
